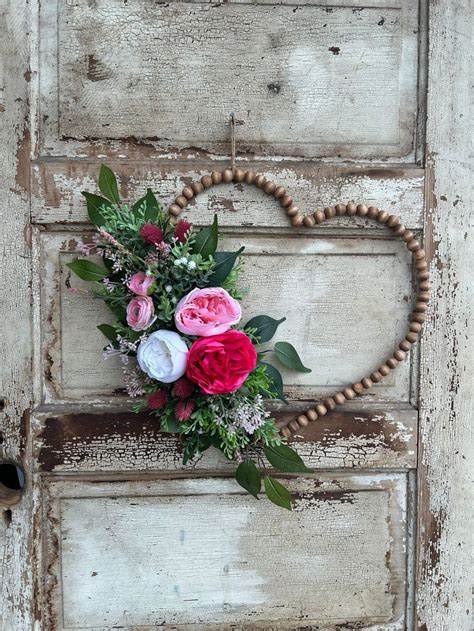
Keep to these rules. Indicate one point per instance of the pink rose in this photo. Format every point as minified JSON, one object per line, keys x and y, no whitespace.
{"x":205,"y":312}
{"x":140,"y":283}
{"x":140,"y":313}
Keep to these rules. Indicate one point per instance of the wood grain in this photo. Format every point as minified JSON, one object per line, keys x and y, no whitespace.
{"x":445,"y":496}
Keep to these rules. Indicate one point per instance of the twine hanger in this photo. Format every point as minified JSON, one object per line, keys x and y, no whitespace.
{"x":232,"y":141}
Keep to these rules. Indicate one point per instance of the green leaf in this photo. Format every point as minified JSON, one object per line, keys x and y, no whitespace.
{"x":288,"y":356}
{"x":109,"y":331}
{"x":119,"y":312}
{"x":94,"y":205}
{"x":277,"y":380}
{"x":277,"y":493}
{"x":265,"y":327}
{"x":87,"y":270}
{"x":108,"y":184}
{"x":171,"y":426}
{"x":205,"y":242}
{"x":285,"y":459}
{"x":152,"y":206}
{"x":249,"y":478}
{"x":225,"y":261}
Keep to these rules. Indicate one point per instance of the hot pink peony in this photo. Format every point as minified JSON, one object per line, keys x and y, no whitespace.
{"x":141,"y":283}
{"x":140,"y":313}
{"x":205,"y":312}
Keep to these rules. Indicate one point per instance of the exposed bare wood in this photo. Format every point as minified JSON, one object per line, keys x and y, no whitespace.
{"x":302,"y":81}
{"x":163,"y":576}
{"x":446,"y":520}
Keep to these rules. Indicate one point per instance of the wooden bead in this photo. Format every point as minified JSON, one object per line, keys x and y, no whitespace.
{"x":249,"y":177}
{"x":238,"y":175}
{"x":319,"y":216}
{"x":181,"y":201}
{"x":411,"y":337}
{"x":384,"y":370}
{"x":297,"y":220}
{"x":408,"y":236}
{"x":321,"y":409}
{"x":423,"y":275}
{"x":358,"y":387}
{"x":269,"y":187}
{"x":279,"y":192}
{"x":423,"y":296}
{"x":376,"y":376}
{"x":312,"y":415}
{"x":419,"y":254}
{"x":422,"y":265}
{"x":175,"y":210}
{"x":351,"y":209}
{"x":206,"y":181}
{"x":399,"y":355}
{"x":292,"y":210}
{"x":392,"y":362}
{"x":367,"y":383}
{"x":303,"y":420}
{"x":197,"y":187}
{"x":188,"y":192}
{"x":419,"y":317}
{"x":405,"y":345}
{"x":260,"y":180}
{"x":421,"y":307}
{"x":393,"y":221}
{"x":373,"y":212}
{"x":399,"y":229}
{"x":216,"y":177}
{"x":329,"y":403}
{"x":425,"y":285}
{"x":339,"y":398}
{"x":294,"y":426}
{"x":362,"y":210}
{"x":329,"y":212}
{"x":285,"y":432}
{"x":286,"y":200}
{"x":383,"y":216}
{"x":309,"y":221}
{"x":415,"y":327}
{"x":227,"y":176}
{"x":414,"y":245}
{"x":349,"y":393}
{"x":340,"y":209}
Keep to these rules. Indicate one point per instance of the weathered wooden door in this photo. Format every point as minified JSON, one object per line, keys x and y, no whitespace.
{"x":338,"y":101}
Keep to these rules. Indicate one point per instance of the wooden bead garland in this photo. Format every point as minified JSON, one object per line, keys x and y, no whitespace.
{"x":297,"y":219}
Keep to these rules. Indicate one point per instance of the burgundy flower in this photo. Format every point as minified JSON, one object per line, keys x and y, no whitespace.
{"x":157,"y":400}
{"x":183,"y":388}
{"x":152,"y":234}
{"x":181,"y":231}
{"x":183,"y":410}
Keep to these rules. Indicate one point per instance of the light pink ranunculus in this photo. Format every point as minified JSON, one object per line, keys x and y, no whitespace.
{"x":140,"y":283}
{"x":140,"y":313}
{"x":205,"y":312}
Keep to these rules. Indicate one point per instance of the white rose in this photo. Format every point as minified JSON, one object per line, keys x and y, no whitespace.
{"x":163,"y":356}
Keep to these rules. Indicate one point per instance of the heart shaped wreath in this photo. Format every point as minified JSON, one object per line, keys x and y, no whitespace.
{"x":178,"y":330}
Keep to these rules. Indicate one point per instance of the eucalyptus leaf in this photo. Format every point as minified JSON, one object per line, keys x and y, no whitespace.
{"x":249,"y":478}
{"x":285,"y":459}
{"x":87,"y":270}
{"x":277,"y":493}
{"x":265,"y":327}
{"x":152,"y":206}
{"x":109,"y":331}
{"x":108,"y":184}
{"x":205,"y":242}
{"x":95,"y":203}
{"x":277,"y":380}
{"x":225,"y":261}
{"x":288,"y":356}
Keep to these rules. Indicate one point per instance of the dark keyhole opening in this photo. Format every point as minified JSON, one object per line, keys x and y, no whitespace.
{"x":12,"y":476}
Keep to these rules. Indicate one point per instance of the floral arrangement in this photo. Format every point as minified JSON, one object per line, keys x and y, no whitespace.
{"x":178,"y":333}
